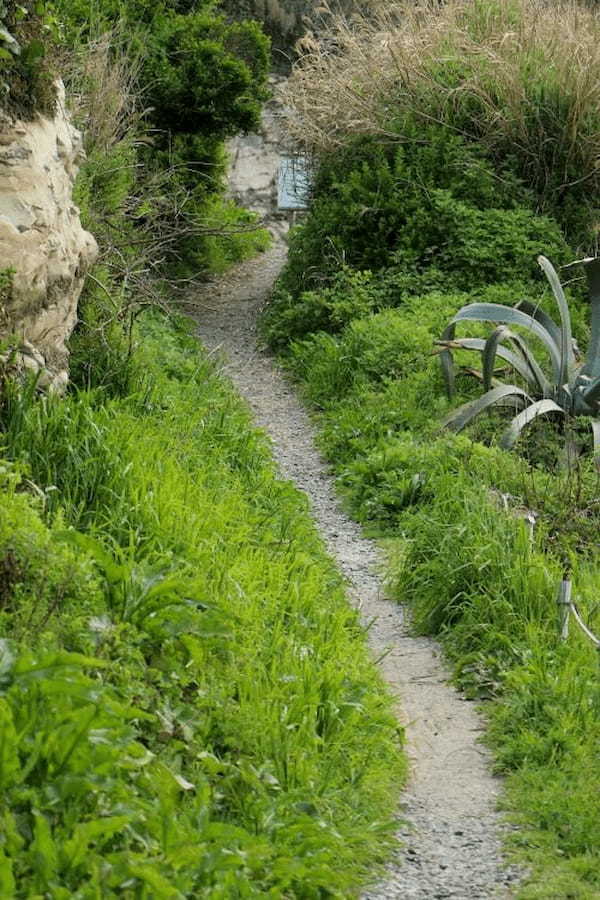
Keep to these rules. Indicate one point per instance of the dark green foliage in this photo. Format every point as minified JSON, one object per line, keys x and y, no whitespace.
{"x":205,"y":76}
{"x":416,"y":206}
{"x":199,"y":75}
{"x":198,"y":80}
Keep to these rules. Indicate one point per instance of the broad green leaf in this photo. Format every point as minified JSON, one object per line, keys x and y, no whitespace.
{"x":43,"y":852}
{"x":532,"y":412}
{"x":97,"y":831}
{"x":112,"y":571}
{"x":7,"y":664}
{"x":461,"y":417}
{"x":161,"y":888}
{"x":10,"y":41}
{"x":9,"y":746}
{"x":7,"y":879}
{"x":56,"y":662}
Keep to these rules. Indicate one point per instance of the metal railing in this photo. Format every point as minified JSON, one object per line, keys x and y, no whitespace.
{"x":567,"y":608}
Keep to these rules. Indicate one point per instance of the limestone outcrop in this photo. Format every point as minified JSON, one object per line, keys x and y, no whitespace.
{"x":41,"y":238}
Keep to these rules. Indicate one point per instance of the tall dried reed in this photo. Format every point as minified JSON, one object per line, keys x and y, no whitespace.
{"x":103,"y":85}
{"x":522,"y":77}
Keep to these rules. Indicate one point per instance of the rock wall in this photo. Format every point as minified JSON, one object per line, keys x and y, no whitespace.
{"x":254,"y":161}
{"x":41,"y":238}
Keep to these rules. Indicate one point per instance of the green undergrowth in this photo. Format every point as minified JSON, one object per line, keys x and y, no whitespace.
{"x":399,"y":237}
{"x":187,"y":705}
{"x":456,"y":512}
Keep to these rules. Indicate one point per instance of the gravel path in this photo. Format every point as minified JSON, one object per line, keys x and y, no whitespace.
{"x":449,"y":831}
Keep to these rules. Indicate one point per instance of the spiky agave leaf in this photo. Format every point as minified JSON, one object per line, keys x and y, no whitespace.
{"x":591,"y":395}
{"x":567,"y":360}
{"x":531,"y":370}
{"x":526,"y":417}
{"x":534,"y":310}
{"x":499,"y":315}
{"x":459,"y":418}
{"x":520,"y":362}
{"x":592,"y":362}
{"x":595,"y":426}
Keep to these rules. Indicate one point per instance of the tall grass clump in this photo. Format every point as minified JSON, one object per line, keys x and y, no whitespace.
{"x":520,"y":78}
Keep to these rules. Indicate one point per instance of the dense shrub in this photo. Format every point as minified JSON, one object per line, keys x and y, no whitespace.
{"x":519,"y":78}
{"x":415,"y":207}
{"x":204,"y":76}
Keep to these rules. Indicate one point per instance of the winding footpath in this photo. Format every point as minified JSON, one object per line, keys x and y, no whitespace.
{"x":449,"y":832}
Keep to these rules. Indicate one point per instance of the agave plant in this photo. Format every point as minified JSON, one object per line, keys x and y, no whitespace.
{"x":572,"y":388}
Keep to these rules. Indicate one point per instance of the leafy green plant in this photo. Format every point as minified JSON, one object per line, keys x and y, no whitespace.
{"x":28,"y":33}
{"x":572,"y":388}
{"x":230,"y":715}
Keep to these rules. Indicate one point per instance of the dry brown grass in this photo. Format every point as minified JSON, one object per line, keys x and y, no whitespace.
{"x":520,"y":76}
{"x":102,"y":81}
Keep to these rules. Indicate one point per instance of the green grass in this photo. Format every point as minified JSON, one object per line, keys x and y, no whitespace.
{"x":453,"y":511}
{"x":188,"y":704}
{"x":401,"y":234}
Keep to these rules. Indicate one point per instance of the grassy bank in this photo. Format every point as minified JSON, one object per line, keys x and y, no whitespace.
{"x":417,"y":211}
{"x":188,"y":705}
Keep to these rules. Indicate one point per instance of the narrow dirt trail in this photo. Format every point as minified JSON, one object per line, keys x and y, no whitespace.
{"x":449,"y":830}
{"x":450,"y":834}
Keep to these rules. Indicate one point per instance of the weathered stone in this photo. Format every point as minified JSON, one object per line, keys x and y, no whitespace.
{"x":41,"y":237}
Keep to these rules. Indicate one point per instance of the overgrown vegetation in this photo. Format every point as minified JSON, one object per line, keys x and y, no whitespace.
{"x":187,"y":704}
{"x":188,"y":707}
{"x":28,"y":31}
{"x":152,"y":188}
{"x":449,"y":159}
